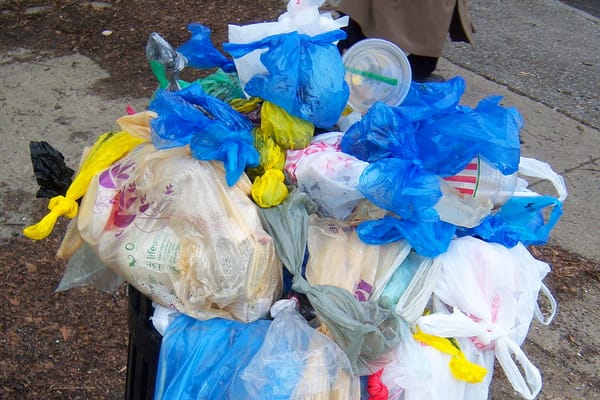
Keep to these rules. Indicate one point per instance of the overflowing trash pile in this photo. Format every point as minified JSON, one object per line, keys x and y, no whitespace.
{"x":299,"y":247}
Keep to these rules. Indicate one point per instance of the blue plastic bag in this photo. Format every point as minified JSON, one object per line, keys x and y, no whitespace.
{"x":200,"y":52}
{"x":402,"y":187}
{"x":381,"y":133}
{"x":203,"y":359}
{"x":213,"y":129}
{"x":429,"y":239}
{"x":425,"y":100}
{"x":305,"y":75}
{"x":448,"y":141}
{"x":433,"y":131}
{"x":521,"y":219}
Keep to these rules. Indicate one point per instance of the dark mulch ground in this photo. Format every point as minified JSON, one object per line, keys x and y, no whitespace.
{"x":73,"y":345}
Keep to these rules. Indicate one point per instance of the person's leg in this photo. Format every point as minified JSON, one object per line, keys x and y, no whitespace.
{"x":422,"y":66}
{"x":354,"y":34}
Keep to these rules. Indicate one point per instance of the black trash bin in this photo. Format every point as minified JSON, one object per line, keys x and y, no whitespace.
{"x":144,"y":348}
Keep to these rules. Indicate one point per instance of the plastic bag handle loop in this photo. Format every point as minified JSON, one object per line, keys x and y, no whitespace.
{"x":538,"y":169}
{"x":527,"y":386}
{"x":539,"y":315}
{"x":414,"y":299}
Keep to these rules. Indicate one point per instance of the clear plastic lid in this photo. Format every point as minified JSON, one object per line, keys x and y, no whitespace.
{"x":376,"y":70}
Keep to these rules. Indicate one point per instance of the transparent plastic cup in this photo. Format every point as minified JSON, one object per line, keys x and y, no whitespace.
{"x":376,"y":70}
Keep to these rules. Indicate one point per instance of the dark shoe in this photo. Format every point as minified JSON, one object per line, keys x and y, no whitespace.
{"x":422,"y":66}
{"x":430,"y":78}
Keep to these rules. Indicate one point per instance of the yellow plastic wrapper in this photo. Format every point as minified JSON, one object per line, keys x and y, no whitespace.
{"x":289,"y":132}
{"x":271,"y":155}
{"x":245,"y":105}
{"x":269,"y":190}
{"x":108,"y":148}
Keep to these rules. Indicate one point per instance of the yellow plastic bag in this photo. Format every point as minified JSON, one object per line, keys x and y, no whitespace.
{"x":269,"y":190}
{"x":289,"y":132}
{"x":271,"y":155}
{"x":107,"y":149}
{"x":245,"y":105}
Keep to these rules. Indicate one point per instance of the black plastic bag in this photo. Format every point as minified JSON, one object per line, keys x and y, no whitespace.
{"x":51,"y":172}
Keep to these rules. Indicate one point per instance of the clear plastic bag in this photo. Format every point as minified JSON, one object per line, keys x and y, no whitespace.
{"x":297,"y":362}
{"x":171,"y":226}
{"x":84,"y":268}
{"x":365,"y":330}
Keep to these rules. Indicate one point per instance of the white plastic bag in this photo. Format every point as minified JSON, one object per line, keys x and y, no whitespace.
{"x":420,"y":371}
{"x":171,"y":226}
{"x":492,"y":292}
{"x":530,"y":167}
{"x":327,"y":175}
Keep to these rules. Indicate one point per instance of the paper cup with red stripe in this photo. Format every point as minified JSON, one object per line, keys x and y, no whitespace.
{"x":481,"y":180}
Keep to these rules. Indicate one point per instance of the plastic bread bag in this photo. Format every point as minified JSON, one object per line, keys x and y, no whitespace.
{"x":338,"y":257}
{"x":297,"y":362}
{"x":172,"y":227}
{"x":489,"y":294}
